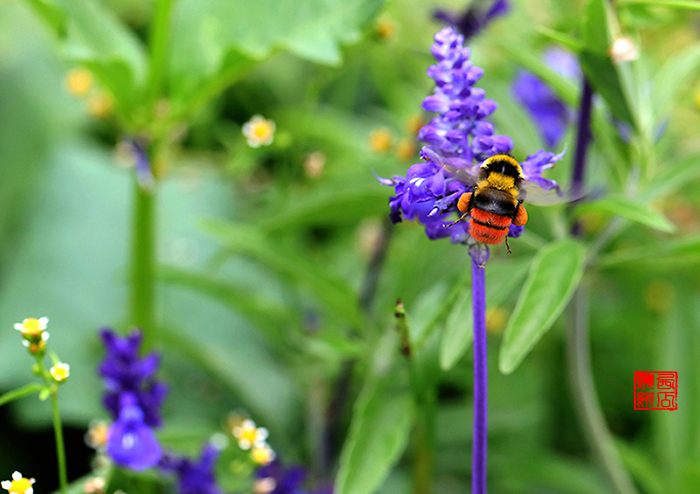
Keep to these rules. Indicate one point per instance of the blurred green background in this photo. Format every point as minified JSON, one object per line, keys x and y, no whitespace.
{"x":262,"y":254}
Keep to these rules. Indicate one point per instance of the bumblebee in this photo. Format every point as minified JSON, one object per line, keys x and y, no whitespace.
{"x":495,"y":202}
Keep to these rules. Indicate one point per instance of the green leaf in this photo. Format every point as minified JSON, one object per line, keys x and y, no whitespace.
{"x":335,"y":294}
{"x":266,"y":313}
{"x":594,"y":28}
{"x":631,"y":210}
{"x":603,"y":76}
{"x":596,"y":62}
{"x":501,"y":280}
{"x":663,"y":255}
{"x":331,"y":205}
{"x":554,"y":275}
{"x":382,"y":419}
{"x":458,"y":334}
{"x":206,"y":32}
{"x":675,"y":4}
{"x":677,"y":436}
{"x":567,"y":41}
{"x":52,"y":13}
{"x":672,"y":77}
{"x":643,"y":468}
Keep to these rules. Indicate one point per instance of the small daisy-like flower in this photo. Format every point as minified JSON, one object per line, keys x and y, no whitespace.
{"x":262,"y":454}
{"x":380,"y":140}
{"x":79,"y":81}
{"x":33,"y":329}
{"x":259,"y":131}
{"x":96,"y":436}
{"x":249,"y":435}
{"x":60,"y":372}
{"x":314,"y":163}
{"x":385,"y":28}
{"x":18,"y":484}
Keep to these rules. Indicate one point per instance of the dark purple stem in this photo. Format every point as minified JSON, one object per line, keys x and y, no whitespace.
{"x":479,"y":446}
{"x":583,"y":136}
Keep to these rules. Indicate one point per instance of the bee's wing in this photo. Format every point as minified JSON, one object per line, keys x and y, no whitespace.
{"x":531,"y":193}
{"x":462,"y":174}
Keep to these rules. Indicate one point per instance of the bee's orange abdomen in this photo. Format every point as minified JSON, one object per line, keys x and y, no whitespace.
{"x":487,"y":227}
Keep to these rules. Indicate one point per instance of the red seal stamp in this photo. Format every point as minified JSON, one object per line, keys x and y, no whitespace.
{"x":655,"y":390}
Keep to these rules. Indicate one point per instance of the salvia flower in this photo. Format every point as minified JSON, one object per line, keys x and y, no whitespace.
{"x":475,"y":19}
{"x":130,"y":442}
{"x":273,"y":478}
{"x":194,"y":476}
{"x":18,"y":484}
{"x":459,"y":136}
{"x":133,"y":398}
{"x":60,"y":372}
{"x":549,"y":113}
{"x":259,"y":131}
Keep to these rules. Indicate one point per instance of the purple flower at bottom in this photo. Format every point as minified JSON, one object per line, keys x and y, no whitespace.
{"x":130,"y":442}
{"x":124,"y":372}
{"x":194,"y":476}
{"x":286,"y":480}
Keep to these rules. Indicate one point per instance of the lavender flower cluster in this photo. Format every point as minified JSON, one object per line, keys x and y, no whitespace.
{"x":133,"y":398}
{"x":460,"y":136}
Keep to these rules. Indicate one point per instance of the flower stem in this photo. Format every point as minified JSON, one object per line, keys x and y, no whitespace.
{"x":479,"y":446}
{"x":57,"y":427}
{"x":578,"y":346}
{"x":18,"y":393}
{"x":60,"y":447}
{"x":142,"y":302}
{"x":588,"y":408}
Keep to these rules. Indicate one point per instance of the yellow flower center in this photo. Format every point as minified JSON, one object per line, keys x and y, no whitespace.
{"x":380,"y":140}
{"x":60,"y":372}
{"x":31,"y":326}
{"x":20,"y":486}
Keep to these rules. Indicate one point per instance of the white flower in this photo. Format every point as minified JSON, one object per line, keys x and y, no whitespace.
{"x":259,"y":131}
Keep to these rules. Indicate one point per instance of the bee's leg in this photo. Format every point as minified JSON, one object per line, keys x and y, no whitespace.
{"x":464,"y":203}
{"x":507,"y":246}
{"x":520,"y":216}
{"x":460,"y":219}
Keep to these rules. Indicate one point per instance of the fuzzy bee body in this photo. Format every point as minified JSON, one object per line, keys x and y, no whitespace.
{"x":495,"y":201}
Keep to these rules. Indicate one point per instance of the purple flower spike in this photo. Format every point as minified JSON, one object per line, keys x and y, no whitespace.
{"x":194,"y":477}
{"x":458,"y":139}
{"x":133,"y":398}
{"x":124,"y":372}
{"x":130,"y":442}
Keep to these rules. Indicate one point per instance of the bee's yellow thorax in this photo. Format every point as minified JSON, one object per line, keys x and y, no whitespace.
{"x":499,"y":181}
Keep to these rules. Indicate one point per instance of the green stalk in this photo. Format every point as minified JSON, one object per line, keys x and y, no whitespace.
{"x":142,"y":303}
{"x":60,"y":447}
{"x":57,"y":427}
{"x":587,"y":407}
{"x":18,"y":393}
{"x":158,"y":42}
